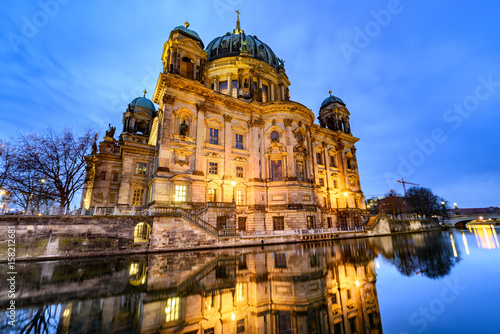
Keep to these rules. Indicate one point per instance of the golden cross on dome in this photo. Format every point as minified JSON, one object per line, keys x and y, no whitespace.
{"x":238,"y":28}
{"x":330,"y":91}
{"x":145,"y":92}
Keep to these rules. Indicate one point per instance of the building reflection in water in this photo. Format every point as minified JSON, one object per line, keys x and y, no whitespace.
{"x":304,"y":288}
{"x":486,"y":235}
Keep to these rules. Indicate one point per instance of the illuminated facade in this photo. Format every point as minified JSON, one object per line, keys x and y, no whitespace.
{"x":228,"y":143}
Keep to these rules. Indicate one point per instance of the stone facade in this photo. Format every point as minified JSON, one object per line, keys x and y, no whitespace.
{"x":226,"y":133}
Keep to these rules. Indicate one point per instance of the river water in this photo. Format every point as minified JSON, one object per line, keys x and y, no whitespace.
{"x":433,"y":282}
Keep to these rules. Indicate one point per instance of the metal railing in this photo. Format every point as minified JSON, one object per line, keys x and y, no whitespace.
{"x":299,"y":232}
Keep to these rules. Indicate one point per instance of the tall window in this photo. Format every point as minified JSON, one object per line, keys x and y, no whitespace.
{"x":172,"y":309}
{"x":103,"y":175}
{"x":242,"y":223}
{"x":321,"y":182}
{"x":240,"y":326}
{"x":352,"y":324}
{"x":223,"y":87}
{"x":137,"y":197}
{"x":211,"y":194}
{"x":141,"y":169}
{"x":239,"y":197}
{"x":187,"y":68}
{"x":221,"y":222}
{"x":240,"y":292}
{"x":234,"y":92}
{"x":112,"y":198}
{"x":116,"y":175}
{"x":332,"y":161}
{"x":278,"y":223}
{"x":239,"y":171}
{"x":214,"y":136}
{"x":284,"y":322}
{"x":180,"y":193}
{"x":264,"y":93}
{"x":276,"y":170}
{"x":99,"y":198}
{"x":279,"y":260}
{"x":318,"y":158}
{"x":213,"y":168}
{"x":239,"y":141}
{"x":310,"y":222}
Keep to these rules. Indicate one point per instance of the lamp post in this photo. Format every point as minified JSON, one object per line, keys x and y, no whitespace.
{"x":444,"y":210}
{"x":233,"y":183}
{"x":457,"y":211}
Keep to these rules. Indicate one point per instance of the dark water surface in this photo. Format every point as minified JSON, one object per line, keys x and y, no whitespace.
{"x":434,"y":282}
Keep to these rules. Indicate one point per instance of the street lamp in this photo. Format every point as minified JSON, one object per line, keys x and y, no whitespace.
{"x":233,"y":183}
{"x":444,"y":210}
{"x":456,"y":209}
{"x":346,"y":202}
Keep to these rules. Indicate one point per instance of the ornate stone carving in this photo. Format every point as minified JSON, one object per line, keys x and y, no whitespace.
{"x":182,"y":156}
{"x":288,"y":121}
{"x":340,"y":146}
{"x":201,"y":107}
{"x":274,"y":122}
{"x":111,"y":131}
{"x":300,"y":150}
{"x":227,"y":118}
{"x":168,"y":99}
{"x":213,"y":155}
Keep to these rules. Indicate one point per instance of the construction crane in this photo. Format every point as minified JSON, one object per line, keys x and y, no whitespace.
{"x":404,"y":182}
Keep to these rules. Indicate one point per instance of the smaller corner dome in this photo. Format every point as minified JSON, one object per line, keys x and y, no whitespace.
{"x":142,"y":102}
{"x":186,"y":31}
{"x":331,"y":99}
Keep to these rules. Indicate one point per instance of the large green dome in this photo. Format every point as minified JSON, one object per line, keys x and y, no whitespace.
{"x":231,"y":45}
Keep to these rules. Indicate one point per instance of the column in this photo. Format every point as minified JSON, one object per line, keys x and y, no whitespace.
{"x":227,"y":146}
{"x":310,"y":160}
{"x":328,"y":178}
{"x":272,"y":91}
{"x":166,"y":131}
{"x":254,"y":150}
{"x":289,"y":148}
{"x":263,"y":164}
{"x":229,"y":85}
{"x":200,"y":138}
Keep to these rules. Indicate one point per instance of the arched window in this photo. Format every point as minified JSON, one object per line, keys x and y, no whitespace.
{"x":187,"y":67}
{"x":141,"y":232}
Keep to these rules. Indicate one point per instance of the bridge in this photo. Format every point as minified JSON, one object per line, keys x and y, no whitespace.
{"x":461,"y":220}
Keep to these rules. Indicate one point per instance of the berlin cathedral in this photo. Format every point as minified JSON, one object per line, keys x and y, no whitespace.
{"x":228,"y":144}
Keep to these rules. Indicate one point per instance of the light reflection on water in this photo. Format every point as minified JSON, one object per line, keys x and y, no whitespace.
{"x":407,"y":283}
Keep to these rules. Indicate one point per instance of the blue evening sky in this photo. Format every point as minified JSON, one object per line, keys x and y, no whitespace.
{"x":421,"y":78}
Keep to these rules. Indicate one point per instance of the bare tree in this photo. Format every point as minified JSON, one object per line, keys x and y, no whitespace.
{"x":5,"y":161}
{"x":57,"y":159}
{"x":393,"y":204}
{"x":29,"y":189}
{"x":424,"y":202}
